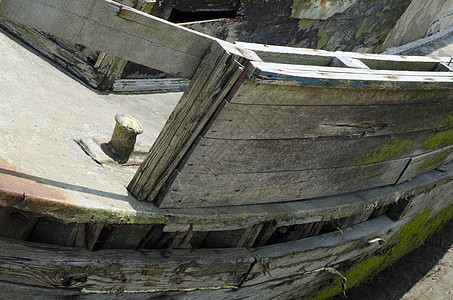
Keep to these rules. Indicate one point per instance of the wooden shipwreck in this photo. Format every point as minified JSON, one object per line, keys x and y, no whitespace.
{"x":281,"y":172}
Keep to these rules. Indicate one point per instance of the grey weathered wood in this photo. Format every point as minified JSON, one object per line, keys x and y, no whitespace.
{"x":239,"y":121}
{"x":117,"y":271}
{"x":92,"y":232}
{"x":208,"y":190}
{"x":95,"y":24}
{"x":150,"y":85}
{"x":347,"y":62}
{"x":223,"y":239}
{"x":219,"y":156}
{"x":111,"y":67}
{"x":290,"y":55}
{"x":77,"y":236}
{"x":54,"y":52}
{"x":266,"y":232}
{"x":126,"y":237}
{"x":249,"y":236}
{"x":51,"y":232}
{"x":16,"y":224}
{"x":268,"y":94}
{"x":212,"y":82}
{"x":427,"y":161}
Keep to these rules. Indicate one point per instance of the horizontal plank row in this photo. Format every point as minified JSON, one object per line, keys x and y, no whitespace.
{"x":271,"y":94}
{"x":205,"y":190}
{"x":241,"y":121}
{"x":221,"y":156}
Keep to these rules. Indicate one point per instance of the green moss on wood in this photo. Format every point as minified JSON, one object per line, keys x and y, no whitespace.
{"x":388,"y":151}
{"x":361,"y":29}
{"x":439,"y":140}
{"x":435,"y":160}
{"x":323,"y":38}
{"x":407,"y":239}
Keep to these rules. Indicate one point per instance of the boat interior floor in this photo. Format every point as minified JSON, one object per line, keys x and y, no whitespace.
{"x":45,"y":113}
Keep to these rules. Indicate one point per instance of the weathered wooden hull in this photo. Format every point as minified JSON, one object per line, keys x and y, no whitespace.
{"x":281,"y":172}
{"x":319,"y":266}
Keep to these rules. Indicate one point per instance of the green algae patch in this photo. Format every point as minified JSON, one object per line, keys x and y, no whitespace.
{"x":388,"y":151}
{"x":408,"y":238}
{"x":436,"y":159}
{"x":304,"y":24}
{"x":323,"y":39}
{"x":361,"y":29}
{"x":439,"y":140}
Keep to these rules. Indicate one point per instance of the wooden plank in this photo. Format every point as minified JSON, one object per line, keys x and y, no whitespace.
{"x":249,"y":236}
{"x":51,"y":232}
{"x":111,"y":67}
{"x":240,"y":121}
{"x":118,"y":271}
{"x":218,"y":156}
{"x":348,"y":78}
{"x":54,"y":52}
{"x":268,"y":94}
{"x":291,"y":55}
{"x":207,"y":190}
{"x":95,"y":24}
{"x":126,"y":237}
{"x":427,"y":161}
{"x":92,"y":232}
{"x":216,"y":75}
{"x":16,"y":224}
{"x":223,"y":239}
{"x":444,"y":67}
{"x":150,"y":85}
{"x":347,"y":62}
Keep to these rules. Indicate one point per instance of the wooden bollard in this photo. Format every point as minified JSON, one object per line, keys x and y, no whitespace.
{"x":124,"y":136}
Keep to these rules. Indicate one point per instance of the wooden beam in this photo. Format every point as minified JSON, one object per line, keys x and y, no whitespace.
{"x":348,"y":62}
{"x":116,"y":29}
{"x":213,"y":81}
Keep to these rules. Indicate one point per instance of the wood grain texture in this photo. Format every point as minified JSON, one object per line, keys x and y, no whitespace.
{"x":219,"y":156}
{"x":268,"y":94}
{"x":54,"y":52}
{"x":16,"y":224}
{"x":118,"y":271}
{"x":95,"y":24}
{"x":207,"y":190}
{"x":212,"y":82}
{"x":427,"y":161}
{"x":240,"y":121}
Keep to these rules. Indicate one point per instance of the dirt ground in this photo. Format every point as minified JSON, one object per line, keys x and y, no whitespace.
{"x":426,"y":273}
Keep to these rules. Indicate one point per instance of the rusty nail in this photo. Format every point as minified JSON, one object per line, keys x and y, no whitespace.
{"x":124,"y":137}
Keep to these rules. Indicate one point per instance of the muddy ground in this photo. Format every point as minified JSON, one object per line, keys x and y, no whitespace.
{"x":426,"y":273}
